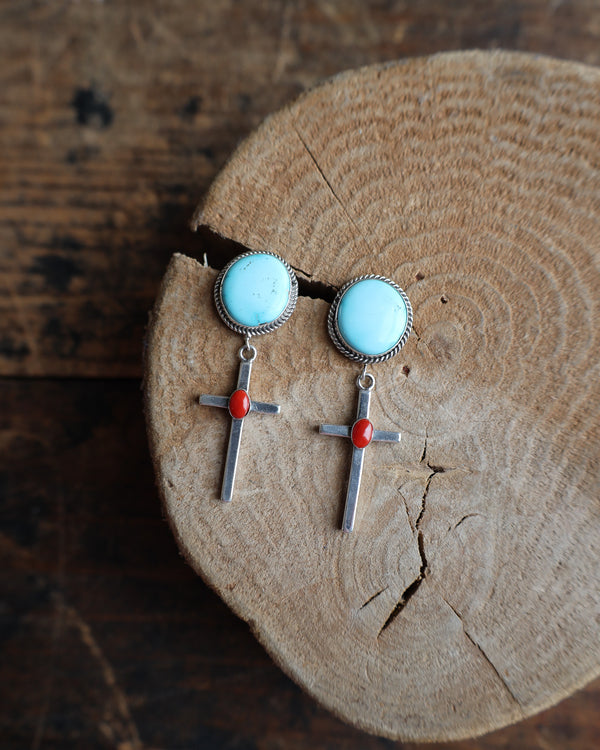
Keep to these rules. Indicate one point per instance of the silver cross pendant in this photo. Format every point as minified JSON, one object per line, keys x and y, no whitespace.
{"x":362,"y":434}
{"x":239,"y":405}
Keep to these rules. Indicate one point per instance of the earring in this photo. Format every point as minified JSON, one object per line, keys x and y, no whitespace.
{"x":369,"y":321}
{"x":254,"y":294}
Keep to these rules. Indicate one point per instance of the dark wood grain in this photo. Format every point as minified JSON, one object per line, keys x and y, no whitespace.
{"x":114,"y":120}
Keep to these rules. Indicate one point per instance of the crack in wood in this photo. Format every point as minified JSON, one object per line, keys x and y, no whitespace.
{"x":330,"y":186}
{"x":372,"y":598}
{"x":434,"y":470}
{"x":217,"y":251}
{"x":412,"y":589}
{"x":399,"y":490}
{"x":464,"y":518}
{"x":483,"y":654}
{"x":424,"y":454}
{"x":424,"y":500}
{"x":308,"y":286}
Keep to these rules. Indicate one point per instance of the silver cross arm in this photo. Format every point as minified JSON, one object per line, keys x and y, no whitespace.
{"x":220,"y":401}
{"x":223,"y":403}
{"x":358,"y":454}
{"x":342,"y":430}
{"x":235,"y":432}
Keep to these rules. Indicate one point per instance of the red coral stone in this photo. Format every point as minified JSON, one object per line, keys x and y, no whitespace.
{"x":362,"y":433}
{"x":239,"y":404}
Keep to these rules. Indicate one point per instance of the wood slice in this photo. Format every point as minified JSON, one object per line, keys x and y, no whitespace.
{"x":467,"y":596}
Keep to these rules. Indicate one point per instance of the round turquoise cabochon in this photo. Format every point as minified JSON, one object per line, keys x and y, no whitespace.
{"x":372,"y":317}
{"x":256,"y":289}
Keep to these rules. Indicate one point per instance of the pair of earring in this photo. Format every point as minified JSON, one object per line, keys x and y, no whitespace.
{"x":369,"y":321}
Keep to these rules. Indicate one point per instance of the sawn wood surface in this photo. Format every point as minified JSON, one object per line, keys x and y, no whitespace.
{"x":467,"y":597}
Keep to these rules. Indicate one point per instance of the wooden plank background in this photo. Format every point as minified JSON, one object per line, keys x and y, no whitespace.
{"x":114,"y":119}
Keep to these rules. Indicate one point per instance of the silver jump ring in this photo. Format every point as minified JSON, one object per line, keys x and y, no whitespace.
{"x":360,"y":381}
{"x":247,"y":348}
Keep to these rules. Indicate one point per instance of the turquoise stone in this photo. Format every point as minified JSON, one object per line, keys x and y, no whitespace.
{"x":372,"y":317}
{"x":255,"y":290}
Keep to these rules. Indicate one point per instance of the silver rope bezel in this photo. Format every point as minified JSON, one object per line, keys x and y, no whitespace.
{"x":343,"y":346}
{"x":264,"y":327}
